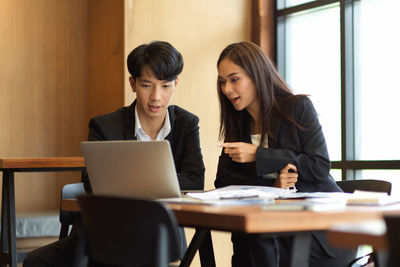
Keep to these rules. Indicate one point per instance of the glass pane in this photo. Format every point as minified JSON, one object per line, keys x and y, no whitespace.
{"x":312,"y":66}
{"x":336,"y":174}
{"x":281,"y":4}
{"x":377,"y":58}
{"x":392,"y":176}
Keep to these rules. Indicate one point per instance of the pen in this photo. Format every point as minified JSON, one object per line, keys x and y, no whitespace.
{"x":239,"y":197}
{"x":290,"y":189}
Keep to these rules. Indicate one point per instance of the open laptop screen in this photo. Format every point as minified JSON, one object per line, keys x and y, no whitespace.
{"x":131,"y":168}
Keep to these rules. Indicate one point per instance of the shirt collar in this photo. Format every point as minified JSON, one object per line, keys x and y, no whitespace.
{"x":141,"y":135}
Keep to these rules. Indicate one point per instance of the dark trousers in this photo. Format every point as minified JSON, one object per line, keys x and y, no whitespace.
{"x":58,"y":254}
{"x":252,"y":250}
{"x":259,"y":251}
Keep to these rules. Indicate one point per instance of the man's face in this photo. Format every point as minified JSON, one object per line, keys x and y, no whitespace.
{"x":152,"y":95}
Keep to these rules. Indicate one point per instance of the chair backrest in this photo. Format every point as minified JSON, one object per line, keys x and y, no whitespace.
{"x":127,"y":231}
{"x":365,"y":185}
{"x":393,"y":237}
{"x":349,"y":186}
{"x":67,"y":217}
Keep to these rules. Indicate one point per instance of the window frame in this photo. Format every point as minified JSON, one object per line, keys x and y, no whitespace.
{"x":348,"y":165}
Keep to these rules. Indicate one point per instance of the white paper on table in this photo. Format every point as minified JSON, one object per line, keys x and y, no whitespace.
{"x":240,"y":192}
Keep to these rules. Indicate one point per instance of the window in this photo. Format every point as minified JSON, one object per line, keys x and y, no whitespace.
{"x":376,"y":83}
{"x":309,"y":69}
{"x":290,"y":3}
{"x":345,"y":55}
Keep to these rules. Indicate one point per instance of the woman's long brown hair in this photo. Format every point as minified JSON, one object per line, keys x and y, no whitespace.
{"x":273,"y":92}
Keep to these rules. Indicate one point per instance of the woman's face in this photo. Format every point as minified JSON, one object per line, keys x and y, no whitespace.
{"x":237,"y":86}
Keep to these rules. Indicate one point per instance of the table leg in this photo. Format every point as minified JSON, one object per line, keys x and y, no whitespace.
{"x":381,"y":258}
{"x":4,"y":228}
{"x":206,"y":251}
{"x":201,"y":241}
{"x":301,"y":250}
{"x":8,"y":235}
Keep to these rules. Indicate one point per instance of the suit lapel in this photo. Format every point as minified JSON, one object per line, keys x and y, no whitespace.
{"x":129,"y":122}
{"x":172,"y":119}
{"x":275,"y":125}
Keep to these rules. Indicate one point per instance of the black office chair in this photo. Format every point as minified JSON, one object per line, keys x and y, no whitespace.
{"x":126,"y":231}
{"x":67,"y":218}
{"x":393,"y":237}
{"x":350,"y":186}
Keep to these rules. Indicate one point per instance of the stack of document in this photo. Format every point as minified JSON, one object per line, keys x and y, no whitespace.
{"x":356,"y":198}
{"x":370,"y":198}
{"x":314,"y":201}
{"x":311,"y":204}
{"x":237,"y":195}
{"x":372,"y":227}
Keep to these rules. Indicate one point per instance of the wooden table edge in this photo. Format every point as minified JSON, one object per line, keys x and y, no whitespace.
{"x":47,"y":162}
{"x":351,"y":240}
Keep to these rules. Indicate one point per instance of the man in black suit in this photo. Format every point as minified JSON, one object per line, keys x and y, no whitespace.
{"x":154,"y":70}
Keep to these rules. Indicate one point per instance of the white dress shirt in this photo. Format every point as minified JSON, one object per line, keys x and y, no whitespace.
{"x":142,"y":136}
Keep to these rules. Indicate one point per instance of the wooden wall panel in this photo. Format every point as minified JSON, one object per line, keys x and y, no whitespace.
{"x":199,"y":30}
{"x":43,"y":89}
{"x":105,"y":56}
{"x":263,"y":25}
{"x":61,"y":63}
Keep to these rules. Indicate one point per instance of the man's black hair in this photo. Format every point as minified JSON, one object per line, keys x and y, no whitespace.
{"x":163,"y":59}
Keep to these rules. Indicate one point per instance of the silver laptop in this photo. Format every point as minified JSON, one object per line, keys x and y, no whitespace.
{"x":142,"y":169}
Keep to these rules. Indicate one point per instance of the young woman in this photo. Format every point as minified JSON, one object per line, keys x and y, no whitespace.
{"x":273,"y":138}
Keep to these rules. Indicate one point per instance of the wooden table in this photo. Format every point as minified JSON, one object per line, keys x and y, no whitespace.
{"x":351,"y":235}
{"x":9,"y":166}
{"x":252,"y":219}
{"x":368,"y":232}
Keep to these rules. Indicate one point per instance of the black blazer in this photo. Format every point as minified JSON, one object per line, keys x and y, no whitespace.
{"x":184,"y":140}
{"x":305,"y":149}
